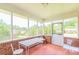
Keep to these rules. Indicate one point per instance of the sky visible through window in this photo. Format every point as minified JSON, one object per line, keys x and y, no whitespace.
{"x":21,"y":22}
{"x":18,"y":21}
{"x":5,"y":18}
{"x":32,"y":23}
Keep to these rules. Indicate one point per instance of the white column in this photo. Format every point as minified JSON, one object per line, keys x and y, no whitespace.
{"x":12,"y":26}
{"x":78,"y":26}
{"x":28,"y":23}
{"x":37,"y":28}
{"x":43,"y":29}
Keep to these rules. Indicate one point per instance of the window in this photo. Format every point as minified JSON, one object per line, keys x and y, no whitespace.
{"x":5,"y":26}
{"x":71,"y":27}
{"x":20,"y":27}
{"x":57,"y":28}
{"x":33,"y":29}
{"x":47,"y":28}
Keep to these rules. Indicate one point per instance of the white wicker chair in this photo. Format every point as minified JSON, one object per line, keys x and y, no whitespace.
{"x":18,"y":51}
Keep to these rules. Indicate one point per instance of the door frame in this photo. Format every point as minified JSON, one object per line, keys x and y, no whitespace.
{"x":56,"y":33}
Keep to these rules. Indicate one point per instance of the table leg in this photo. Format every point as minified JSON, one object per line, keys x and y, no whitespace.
{"x":28,"y":50}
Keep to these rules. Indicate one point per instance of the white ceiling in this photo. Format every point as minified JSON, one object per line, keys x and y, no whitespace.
{"x":51,"y":11}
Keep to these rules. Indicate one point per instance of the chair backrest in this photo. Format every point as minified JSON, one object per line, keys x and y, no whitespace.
{"x":12,"y":48}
